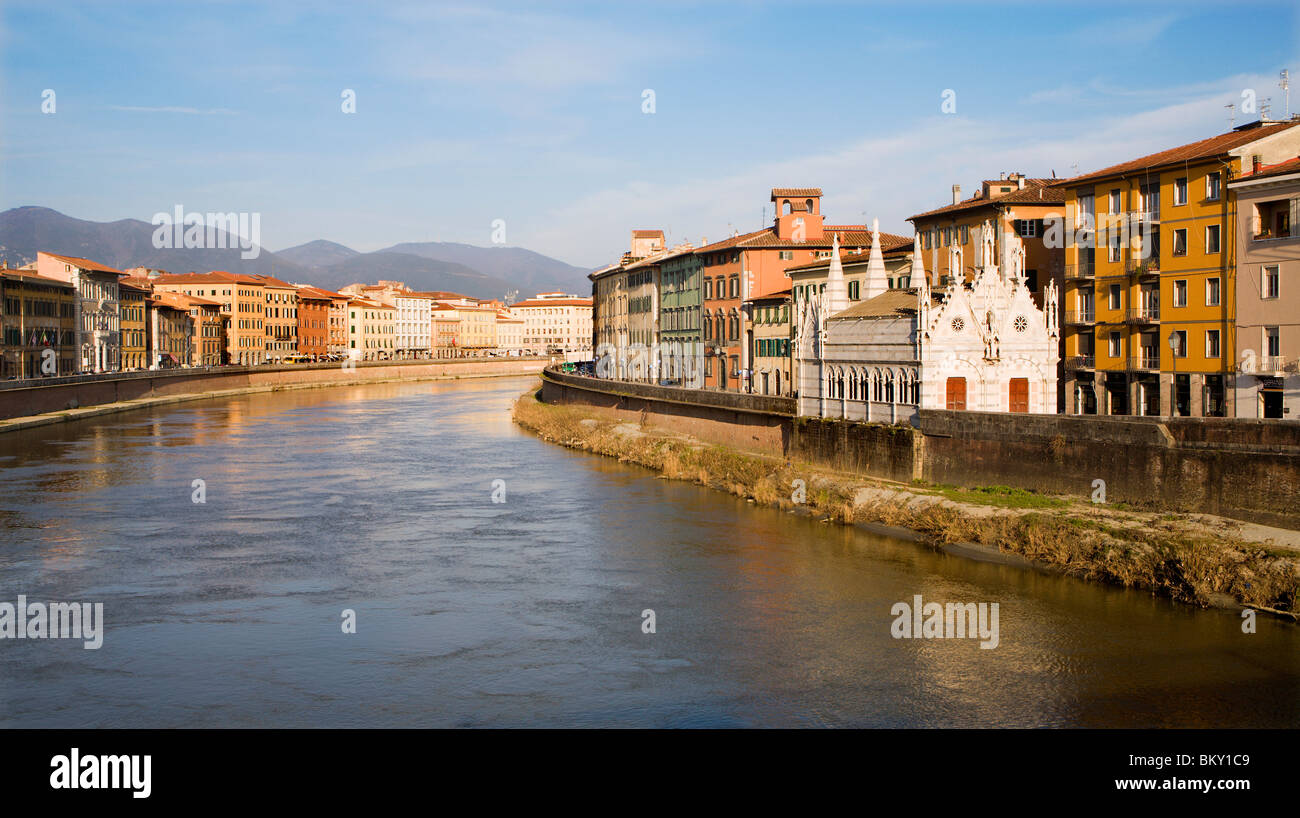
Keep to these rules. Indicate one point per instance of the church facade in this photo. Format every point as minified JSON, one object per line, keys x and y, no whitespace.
{"x":983,"y":346}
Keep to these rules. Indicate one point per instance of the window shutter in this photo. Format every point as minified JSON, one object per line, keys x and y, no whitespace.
{"x":1295,"y":217}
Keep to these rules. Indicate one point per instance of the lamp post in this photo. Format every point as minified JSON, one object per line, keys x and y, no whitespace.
{"x":1173,"y":387}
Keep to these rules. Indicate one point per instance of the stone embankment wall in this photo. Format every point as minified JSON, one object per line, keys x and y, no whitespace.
{"x":1241,"y":468}
{"x":24,"y":398}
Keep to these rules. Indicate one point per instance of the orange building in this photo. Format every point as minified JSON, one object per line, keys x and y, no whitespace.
{"x":754,"y":265}
{"x":314,"y":321}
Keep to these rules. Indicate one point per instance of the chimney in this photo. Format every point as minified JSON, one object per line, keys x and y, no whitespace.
{"x":1021,"y":181}
{"x":1254,"y":163}
{"x":956,"y":194}
{"x":1002,"y":176}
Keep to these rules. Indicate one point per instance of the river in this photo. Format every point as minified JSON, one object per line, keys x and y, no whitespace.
{"x":379,"y":500}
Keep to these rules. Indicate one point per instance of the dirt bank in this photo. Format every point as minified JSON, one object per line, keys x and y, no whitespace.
{"x":1197,"y":559}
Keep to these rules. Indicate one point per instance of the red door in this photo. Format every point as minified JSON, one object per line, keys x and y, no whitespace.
{"x":957,"y":393}
{"x":1019,"y":397}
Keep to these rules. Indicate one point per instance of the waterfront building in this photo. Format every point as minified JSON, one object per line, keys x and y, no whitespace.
{"x":171,"y":330}
{"x":609,"y":314}
{"x":510,"y":332}
{"x":314,"y":328}
{"x":769,"y":315}
{"x":756,"y":264}
{"x":243,"y":304}
{"x":414,"y":323}
{"x":132,"y":293}
{"x":371,"y":330}
{"x":1173,"y":273}
{"x":209,"y":343}
{"x":1266,"y":230}
{"x":681,"y":314}
{"x":983,"y":346}
{"x":99,"y":337}
{"x":446,"y":331}
{"x":556,"y":324}
{"x":37,"y":314}
{"x":1012,"y":203}
{"x":280,"y":317}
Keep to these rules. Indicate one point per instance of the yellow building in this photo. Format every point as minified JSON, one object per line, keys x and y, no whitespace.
{"x":243,"y":309}
{"x":38,"y":324}
{"x":1150,"y":262}
{"x":279,"y":316}
{"x":372,"y":330}
{"x":135,"y":327}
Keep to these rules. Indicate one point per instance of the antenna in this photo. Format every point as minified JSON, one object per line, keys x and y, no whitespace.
{"x":1232,"y":121}
{"x":1284,"y":82}
{"x":1264,"y":108}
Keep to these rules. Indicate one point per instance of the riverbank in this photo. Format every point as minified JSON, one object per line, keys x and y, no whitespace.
{"x":1197,"y":559}
{"x":82,"y":412}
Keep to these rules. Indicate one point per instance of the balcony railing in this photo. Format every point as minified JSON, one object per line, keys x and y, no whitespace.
{"x":1273,"y":363}
{"x":1147,"y":314}
{"x":1145,"y":215}
{"x":1080,"y":317}
{"x":1146,"y":361}
{"x":1080,"y":362}
{"x":1142,"y":266}
{"x":1085,"y":270}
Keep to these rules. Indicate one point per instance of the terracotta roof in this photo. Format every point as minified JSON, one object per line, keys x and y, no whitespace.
{"x":30,"y":275}
{"x":889,"y":304}
{"x":772,"y":295}
{"x":134,"y":284}
{"x":1204,"y":149}
{"x":1276,"y":169}
{"x":553,"y":302}
{"x":195,"y":278}
{"x":1036,"y":191}
{"x":795,"y":192}
{"x":269,"y":281}
{"x":851,"y":238}
{"x":849,"y":259}
{"x":371,"y":304}
{"x":318,"y":293}
{"x":85,"y":263}
{"x":647,"y":234}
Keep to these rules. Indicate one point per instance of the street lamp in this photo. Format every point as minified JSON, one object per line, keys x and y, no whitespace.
{"x":1173,"y":387}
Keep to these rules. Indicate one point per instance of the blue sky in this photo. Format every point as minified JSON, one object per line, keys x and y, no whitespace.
{"x":470,"y":113}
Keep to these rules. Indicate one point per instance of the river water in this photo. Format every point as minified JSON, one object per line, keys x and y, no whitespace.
{"x":378,"y":499}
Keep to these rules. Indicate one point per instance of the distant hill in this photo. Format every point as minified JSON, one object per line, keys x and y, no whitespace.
{"x":318,"y":253}
{"x":530,"y":272}
{"x":418,"y":273}
{"x":481,"y":272}
{"x":122,"y":244}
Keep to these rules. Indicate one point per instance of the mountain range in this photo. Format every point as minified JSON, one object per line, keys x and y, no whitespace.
{"x":481,"y":272}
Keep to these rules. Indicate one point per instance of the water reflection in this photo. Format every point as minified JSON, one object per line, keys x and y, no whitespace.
{"x":378,"y":498}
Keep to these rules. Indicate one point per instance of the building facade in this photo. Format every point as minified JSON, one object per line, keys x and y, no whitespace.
{"x":99,"y":336}
{"x":38,"y":329}
{"x":1150,"y":276}
{"x":1265,"y":382}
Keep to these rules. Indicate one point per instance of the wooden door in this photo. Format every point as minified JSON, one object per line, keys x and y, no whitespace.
{"x":957,"y":393}
{"x":1019,"y":396}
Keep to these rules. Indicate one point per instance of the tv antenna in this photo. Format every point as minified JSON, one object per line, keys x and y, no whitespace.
{"x":1232,"y":118}
{"x":1284,"y":82}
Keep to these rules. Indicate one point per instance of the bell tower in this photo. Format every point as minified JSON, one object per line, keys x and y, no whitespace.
{"x":798,"y":213}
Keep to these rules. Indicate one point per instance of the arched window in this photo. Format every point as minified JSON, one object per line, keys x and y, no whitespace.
{"x":864,"y":384}
{"x":889,"y":386}
{"x":788,"y":208}
{"x":853,"y":384}
{"x":809,"y":205}
{"x":877,"y":386}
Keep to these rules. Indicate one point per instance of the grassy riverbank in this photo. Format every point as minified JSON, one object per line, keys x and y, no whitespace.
{"x":1193,"y":559}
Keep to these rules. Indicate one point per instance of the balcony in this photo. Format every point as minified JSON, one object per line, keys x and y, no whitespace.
{"x":1143,"y":266}
{"x":1079,"y":271}
{"x":1274,"y":363}
{"x":1140,"y":216}
{"x":1147,"y":314}
{"x":1075,"y":362}
{"x":1145,"y":362}
{"x":1080,"y":317}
